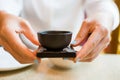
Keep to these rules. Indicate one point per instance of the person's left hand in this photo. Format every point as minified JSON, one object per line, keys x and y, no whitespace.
{"x":94,"y":38}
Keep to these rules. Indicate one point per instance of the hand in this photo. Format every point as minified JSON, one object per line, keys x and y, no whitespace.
{"x":10,"y":28}
{"x":94,"y":38}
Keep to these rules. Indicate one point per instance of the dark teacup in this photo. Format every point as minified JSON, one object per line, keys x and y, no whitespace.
{"x":54,"y":40}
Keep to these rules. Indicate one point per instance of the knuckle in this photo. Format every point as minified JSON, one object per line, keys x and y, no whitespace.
{"x":22,"y":61}
{"x":1,"y":31}
{"x":92,"y":44}
{"x":107,"y":40}
{"x":103,"y":31}
{"x":6,"y":49}
{"x":90,"y":60}
{"x":1,"y":28}
{"x":94,"y":55}
{"x":25,"y":61}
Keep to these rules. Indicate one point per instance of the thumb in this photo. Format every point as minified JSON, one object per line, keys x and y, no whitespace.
{"x":29,"y":32}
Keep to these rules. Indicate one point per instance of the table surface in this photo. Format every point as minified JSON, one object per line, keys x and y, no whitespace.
{"x":104,"y":67}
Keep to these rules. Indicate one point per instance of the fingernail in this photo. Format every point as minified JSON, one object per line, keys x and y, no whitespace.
{"x":36,"y":61}
{"x":65,"y":58}
{"x":74,"y":42}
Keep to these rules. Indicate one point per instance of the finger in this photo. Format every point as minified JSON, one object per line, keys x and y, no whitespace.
{"x":103,"y":44}
{"x":82,"y":34}
{"x":35,"y":53}
{"x":0,"y":41}
{"x":89,"y":58}
{"x":28,"y":32}
{"x":23,"y":56}
{"x":91,"y":43}
{"x":18,"y":47}
{"x":15,"y":55}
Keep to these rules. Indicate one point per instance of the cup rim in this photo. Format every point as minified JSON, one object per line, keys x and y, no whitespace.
{"x":55,"y":32}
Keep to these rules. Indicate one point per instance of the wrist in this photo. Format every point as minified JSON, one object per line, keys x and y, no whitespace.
{"x":104,"y":19}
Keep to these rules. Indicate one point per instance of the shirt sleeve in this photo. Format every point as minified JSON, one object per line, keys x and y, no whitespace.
{"x":11,"y":6}
{"x":105,"y":11}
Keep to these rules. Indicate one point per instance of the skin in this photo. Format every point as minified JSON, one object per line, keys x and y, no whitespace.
{"x":10,"y":27}
{"x":93,"y":36}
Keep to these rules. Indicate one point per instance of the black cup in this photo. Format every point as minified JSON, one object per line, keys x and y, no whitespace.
{"x":54,"y":40}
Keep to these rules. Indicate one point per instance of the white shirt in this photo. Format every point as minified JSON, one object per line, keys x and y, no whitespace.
{"x":59,"y":14}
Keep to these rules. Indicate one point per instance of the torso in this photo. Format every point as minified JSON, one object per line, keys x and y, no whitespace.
{"x":54,"y":14}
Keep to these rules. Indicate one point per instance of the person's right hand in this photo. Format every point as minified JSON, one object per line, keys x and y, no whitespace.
{"x":10,"y":28}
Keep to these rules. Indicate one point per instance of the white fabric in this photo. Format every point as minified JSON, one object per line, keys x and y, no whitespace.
{"x":97,"y":7}
{"x":60,"y":14}
{"x":11,"y":6}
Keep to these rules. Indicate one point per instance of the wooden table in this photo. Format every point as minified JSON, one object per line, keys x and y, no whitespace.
{"x":105,"y":67}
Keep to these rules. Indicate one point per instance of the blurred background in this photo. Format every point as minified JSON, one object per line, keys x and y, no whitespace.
{"x":114,"y":46}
